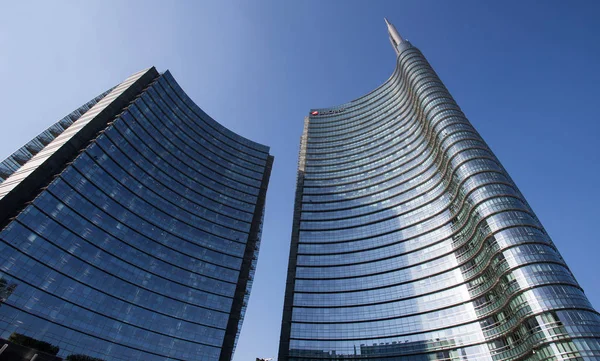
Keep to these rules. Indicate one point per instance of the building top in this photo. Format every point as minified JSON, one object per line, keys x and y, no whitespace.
{"x":399,"y":44}
{"x":394,"y":35}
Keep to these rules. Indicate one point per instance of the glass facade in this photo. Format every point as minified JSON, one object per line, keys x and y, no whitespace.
{"x":411,"y":241}
{"x":143,"y":245}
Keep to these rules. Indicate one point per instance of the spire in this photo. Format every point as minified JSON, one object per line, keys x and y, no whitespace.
{"x":395,"y":37}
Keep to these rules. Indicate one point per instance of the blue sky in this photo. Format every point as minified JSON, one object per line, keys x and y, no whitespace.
{"x":524,"y":72}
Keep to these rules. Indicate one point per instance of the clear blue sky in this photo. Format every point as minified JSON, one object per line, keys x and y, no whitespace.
{"x":525,"y":73}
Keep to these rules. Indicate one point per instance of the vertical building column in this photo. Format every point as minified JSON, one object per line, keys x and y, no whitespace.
{"x":286,"y":324}
{"x":239,"y":298}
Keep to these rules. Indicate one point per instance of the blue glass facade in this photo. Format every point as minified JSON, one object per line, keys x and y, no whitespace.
{"x":143,"y":246}
{"x":411,"y":241}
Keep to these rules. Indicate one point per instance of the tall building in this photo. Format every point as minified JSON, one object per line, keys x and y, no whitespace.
{"x":129,"y":230}
{"x":411,"y":242}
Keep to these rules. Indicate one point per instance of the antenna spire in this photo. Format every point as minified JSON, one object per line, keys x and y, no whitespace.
{"x":395,"y":37}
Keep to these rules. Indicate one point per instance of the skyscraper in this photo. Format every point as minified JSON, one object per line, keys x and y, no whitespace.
{"x":129,"y":230}
{"x":411,"y":242}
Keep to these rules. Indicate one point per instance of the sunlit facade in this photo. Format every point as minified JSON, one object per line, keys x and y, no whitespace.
{"x":411,"y":242}
{"x":130,"y":229}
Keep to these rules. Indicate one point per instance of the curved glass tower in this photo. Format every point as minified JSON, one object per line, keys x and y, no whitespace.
{"x":411,"y":241}
{"x":129,"y":230}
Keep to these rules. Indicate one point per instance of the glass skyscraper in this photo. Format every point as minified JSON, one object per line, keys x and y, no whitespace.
{"x":411,"y":242}
{"x":130,"y":229}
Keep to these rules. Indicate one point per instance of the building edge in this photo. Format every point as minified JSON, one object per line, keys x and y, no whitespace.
{"x":29,"y":187}
{"x":288,"y":301}
{"x":242,"y":289}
